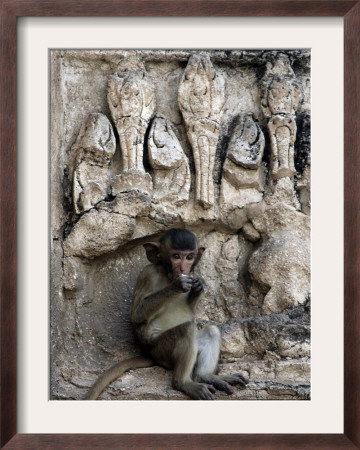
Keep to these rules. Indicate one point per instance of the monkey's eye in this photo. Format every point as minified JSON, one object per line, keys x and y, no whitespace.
{"x":191,"y":256}
{"x":176,"y":256}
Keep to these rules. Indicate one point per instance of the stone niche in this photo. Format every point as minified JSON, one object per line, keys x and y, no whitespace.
{"x":214,"y":141}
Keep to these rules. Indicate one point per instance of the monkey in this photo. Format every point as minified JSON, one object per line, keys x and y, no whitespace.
{"x":163,"y":317}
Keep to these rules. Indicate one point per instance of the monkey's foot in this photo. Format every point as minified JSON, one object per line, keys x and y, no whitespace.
{"x":236,"y":378}
{"x":197,"y":391}
{"x":224,"y":382}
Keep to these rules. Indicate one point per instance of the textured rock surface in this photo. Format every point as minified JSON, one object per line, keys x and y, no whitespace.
{"x":280,"y":268}
{"x":95,"y":146}
{"x":214,"y":141}
{"x":171,"y":172}
{"x":246,"y":147}
{"x":280,"y":97}
{"x":201,"y":101}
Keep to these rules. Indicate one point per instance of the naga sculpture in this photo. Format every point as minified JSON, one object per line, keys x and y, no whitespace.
{"x":201,"y":98}
{"x":131,"y":101}
{"x":279,"y":101}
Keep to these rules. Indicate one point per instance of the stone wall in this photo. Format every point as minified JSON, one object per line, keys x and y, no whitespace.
{"x":214,"y":141}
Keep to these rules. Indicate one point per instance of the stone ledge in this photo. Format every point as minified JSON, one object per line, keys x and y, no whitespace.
{"x":267,"y":382}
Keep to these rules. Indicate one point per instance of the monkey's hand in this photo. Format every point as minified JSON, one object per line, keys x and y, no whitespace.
{"x":197,"y":287}
{"x":182,"y":283}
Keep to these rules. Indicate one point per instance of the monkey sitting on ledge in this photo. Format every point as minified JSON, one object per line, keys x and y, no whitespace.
{"x":163,"y":316}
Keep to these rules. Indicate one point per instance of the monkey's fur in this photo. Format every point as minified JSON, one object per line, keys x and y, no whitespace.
{"x":163,"y":316}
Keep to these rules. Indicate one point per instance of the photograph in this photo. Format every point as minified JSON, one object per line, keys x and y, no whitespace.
{"x":180,"y":211}
{"x":179,"y":222}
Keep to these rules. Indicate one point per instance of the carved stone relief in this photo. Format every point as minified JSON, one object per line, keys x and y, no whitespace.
{"x":279,"y":100}
{"x":214,"y":141}
{"x":201,"y":101}
{"x":171,"y":173}
{"x":246,"y":147}
{"x":94,"y":148}
{"x":132,"y":102}
{"x":244,"y":155}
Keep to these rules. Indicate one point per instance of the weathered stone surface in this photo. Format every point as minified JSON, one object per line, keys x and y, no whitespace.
{"x":233,"y":202}
{"x":280,"y":98}
{"x":282,"y":130}
{"x":246,"y":146}
{"x":303,"y":159}
{"x":94,"y":148}
{"x":165,"y":151}
{"x":155,"y":384}
{"x":290,"y":372}
{"x":171,"y":173}
{"x":72,"y":275}
{"x":280,"y":92}
{"x":188,"y":153}
{"x":255,"y":210}
{"x":235,"y":217}
{"x":224,"y":295}
{"x":135,"y":203}
{"x":201,"y":101}
{"x":274,"y":336}
{"x":250,"y":233}
{"x":304,"y":188}
{"x":131,"y":95}
{"x":282,"y":191}
{"x":231,"y":293}
{"x":303,"y":143}
{"x":96,"y":135}
{"x":279,"y":217}
{"x":242,"y":178}
{"x":98,"y":232}
{"x":102,"y":230}
{"x":132,"y":179}
{"x":281,"y":269}
{"x":132,"y":102}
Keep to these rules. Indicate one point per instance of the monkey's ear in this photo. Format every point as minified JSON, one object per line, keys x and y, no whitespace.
{"x":152,"y":252}
{"x":200,"y":252}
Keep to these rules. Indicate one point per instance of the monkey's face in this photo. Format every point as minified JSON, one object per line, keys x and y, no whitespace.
{"x":182,"y":261}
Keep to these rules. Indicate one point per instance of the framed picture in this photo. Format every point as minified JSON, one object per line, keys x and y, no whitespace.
{"x":8,"y":311}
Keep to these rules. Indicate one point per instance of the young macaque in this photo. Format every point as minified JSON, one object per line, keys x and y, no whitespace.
{"x":163,"y":316}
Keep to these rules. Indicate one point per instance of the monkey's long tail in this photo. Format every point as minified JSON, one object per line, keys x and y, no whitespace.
{"x":115,"y":372}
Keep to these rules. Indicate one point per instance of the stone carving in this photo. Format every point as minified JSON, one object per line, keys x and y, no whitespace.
{"x":94,"y":149}
{"x":256,"y":266}
{"x":279,"y":89}
{"x":280,"y":97}
{"x":201,"y":99}
{"x":282,"y":130}
{"x":171,"y":173}
{"x":131,"y":101}
{"x":246,"y":147}
{"x":245,"y":152}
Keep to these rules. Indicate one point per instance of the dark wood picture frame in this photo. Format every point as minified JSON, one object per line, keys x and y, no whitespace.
{"x":13,"y":9}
